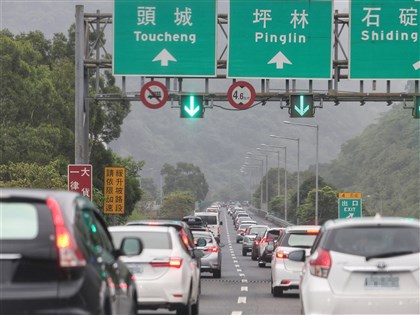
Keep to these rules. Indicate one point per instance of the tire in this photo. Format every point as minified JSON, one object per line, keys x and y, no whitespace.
{"x":185,"y":309}
{"x":253,"y":256}
{"x":277,"y":292}
{"x":195,"y":308}
{"x":244,"y":252}
{"x":217,"y":274}
{"x":261,"y":264}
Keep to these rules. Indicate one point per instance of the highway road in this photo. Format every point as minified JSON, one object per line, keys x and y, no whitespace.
{"x":244,"y":288}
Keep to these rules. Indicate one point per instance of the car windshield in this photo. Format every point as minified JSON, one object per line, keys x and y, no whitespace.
{"x":206,"y":236}
{"x":373,"y":240}
{"x":258,"y":230}
{"x":299,"y":240}
{"x":151,"y":240}
{"x":209,"y":219}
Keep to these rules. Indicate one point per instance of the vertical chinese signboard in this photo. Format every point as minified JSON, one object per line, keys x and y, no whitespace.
{"x":114,"y":190}
{"x":79,"y":179}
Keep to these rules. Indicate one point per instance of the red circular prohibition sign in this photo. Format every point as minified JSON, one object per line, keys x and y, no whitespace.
{"x":154,"y":94}
{"x":241,"y":95}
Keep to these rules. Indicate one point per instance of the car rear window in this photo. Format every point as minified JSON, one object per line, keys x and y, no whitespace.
{"x":298,"y":240}
{"x":273,"y":234}
{"x":258,"y":230}
{"x":18,"y":221}
{"x":367,"y":241}
{"x":151,"y":240}
{"x":210,"y":219}
{"x":206,"y":236}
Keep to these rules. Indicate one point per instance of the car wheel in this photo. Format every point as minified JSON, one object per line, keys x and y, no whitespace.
{"x":237,"y":241}
{"x":185,"y":309}
{"x":277,"y":292}
{"x":217,"y":273}
{"x":244,"y":252}
{"x":195,"y":309}
{"x":261,"y":264}
{"x":253,"y":256}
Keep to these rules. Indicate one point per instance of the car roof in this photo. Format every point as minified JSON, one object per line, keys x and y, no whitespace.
{"x":369,"y":221}
{"x":205,"y":213}
{"x":174,"y":223}
{"x":301,"y":228}
{"x":134,"y":228}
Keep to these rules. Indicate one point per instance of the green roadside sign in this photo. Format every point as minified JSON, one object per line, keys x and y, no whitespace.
{"x":165,"y":37}
{"x":280,"y":39}
{"x":349,"y":205}
{"x":384,"y":41}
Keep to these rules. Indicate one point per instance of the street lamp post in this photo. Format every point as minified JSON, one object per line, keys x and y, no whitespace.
{"x":285,"y":172}
{"x":262,"y":175}
{"x":266,"y":174}
{"x":316,"y":163}
{"x":298,"y":167}
{"x":245,"y":166}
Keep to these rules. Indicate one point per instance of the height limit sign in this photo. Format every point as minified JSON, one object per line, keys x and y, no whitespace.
{"x":241,"y":95}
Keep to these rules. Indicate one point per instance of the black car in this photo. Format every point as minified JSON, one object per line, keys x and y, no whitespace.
{"x":57,"y":257}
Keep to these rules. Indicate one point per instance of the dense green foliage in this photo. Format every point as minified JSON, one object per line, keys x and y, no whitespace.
{"x":185,"y":177}
{"x":384,"y":164}
{"x":37,"y":117}
{"x":176,"y":205}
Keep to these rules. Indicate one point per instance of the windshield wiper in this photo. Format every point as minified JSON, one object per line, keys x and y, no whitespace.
{"x":390,"y":254}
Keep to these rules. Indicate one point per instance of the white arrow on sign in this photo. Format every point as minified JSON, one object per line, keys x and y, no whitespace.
{"x":192,"y":110}
{"x":279,"y":59}
{"x":351,"y":215}
{"x":164,"y":57}
{"x":416,"y":65}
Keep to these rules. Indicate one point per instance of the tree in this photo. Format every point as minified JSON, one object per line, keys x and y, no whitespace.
{"x":185,"y":177}
{"x":176,"y":205}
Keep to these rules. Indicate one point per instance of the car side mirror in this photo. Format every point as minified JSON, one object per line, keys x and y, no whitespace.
{"x":297,"y":255}
{"x":131,"y":246}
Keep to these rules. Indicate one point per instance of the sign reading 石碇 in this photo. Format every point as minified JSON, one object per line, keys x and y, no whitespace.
{"x":280,"y":39}
{"x":384,"y":39}
{"x":165,"y":37}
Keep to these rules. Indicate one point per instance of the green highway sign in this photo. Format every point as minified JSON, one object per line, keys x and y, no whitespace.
{"x":349,"y":205}
{"x":192,"y":106}
{"x":301,"y":105}
{"x":384,"y":41}
{"x":165,"y":37}
{"x":280,"y":39}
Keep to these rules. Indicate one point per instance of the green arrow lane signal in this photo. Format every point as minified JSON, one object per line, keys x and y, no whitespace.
{"x":192,"y":106}
{"x":301,"y":105}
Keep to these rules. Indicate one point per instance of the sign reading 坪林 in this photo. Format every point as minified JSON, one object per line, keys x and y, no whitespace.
{"x":165,"y":37}
{"x":384,"y":41}
{"x":280,"y":39}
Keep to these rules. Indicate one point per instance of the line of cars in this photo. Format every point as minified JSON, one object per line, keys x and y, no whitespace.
{"x":354,"y":266}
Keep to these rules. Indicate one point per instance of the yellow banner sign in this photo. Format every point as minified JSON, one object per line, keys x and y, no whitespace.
{"x":350,"y":195}
{"x":114,"y":190}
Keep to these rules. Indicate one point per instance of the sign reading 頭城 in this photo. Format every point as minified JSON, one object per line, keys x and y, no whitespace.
{"x":384,"y":41}
{"x":280,"y":39}
{"x":165,"y":37}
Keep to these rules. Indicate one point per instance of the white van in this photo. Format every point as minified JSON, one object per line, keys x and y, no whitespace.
{"x":212,"y":220}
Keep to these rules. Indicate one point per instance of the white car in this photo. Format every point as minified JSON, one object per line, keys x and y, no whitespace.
{"x":167,"y":273}
{"x":362,"y":266}
{"x":285,"y":273}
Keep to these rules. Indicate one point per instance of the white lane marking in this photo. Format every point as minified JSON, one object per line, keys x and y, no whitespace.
{"x":236,"y":313}
{"x":244,"y":289}
{"x":235,"y":261}
{"x":241,"y":275}
{"x":244,"y":281}
{"x":242,"y":300}
{"x":237,"y":266}
{"x":238,"y":270}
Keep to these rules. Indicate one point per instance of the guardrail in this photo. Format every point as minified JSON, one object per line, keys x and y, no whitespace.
{"x":269,"y":217}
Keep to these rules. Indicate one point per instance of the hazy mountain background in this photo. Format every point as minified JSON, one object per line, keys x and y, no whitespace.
{"x":219,"y":142}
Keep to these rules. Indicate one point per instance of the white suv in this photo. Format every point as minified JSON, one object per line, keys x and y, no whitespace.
{"x":167,"y":273}
{"x":362,"y":266}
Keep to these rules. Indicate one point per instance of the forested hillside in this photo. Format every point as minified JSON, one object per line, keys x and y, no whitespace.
{"x":383,"y":163}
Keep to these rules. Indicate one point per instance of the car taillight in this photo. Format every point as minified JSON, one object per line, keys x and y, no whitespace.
{"x":257,"y":243}
{"x":68,"y":253}
{"x":320,"y":264}
{"x":172,"y":262}
{"x":312,"y":232}
{"x":266,"y":240}
{"x":213,"y":249}
{"x":282,"y":255}
{"x":239,"y":231}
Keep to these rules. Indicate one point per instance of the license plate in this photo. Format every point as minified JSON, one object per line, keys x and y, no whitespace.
{"x":382,"y":282}
{"x":135,"y":268}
